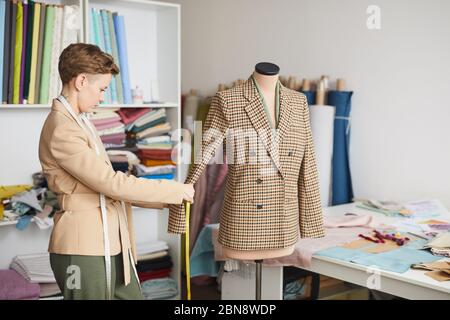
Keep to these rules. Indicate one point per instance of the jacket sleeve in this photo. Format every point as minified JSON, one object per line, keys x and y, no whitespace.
{"x":70,"y":149}
{"x":311,"y":218}
{"x":214,"y":131}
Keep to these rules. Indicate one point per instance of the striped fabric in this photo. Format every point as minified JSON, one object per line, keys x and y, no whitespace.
{"x":272,"y":189}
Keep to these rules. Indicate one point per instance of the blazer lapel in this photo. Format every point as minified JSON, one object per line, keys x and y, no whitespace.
{"x":258,"y":118}
{"x":285,"y":114}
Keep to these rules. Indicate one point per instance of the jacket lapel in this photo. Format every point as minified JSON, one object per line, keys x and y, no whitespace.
{"x":258,"y":118}
{"x":285,"y":114}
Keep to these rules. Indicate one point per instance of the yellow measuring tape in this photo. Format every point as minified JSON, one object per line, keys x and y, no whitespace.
{"x":186,"y":248}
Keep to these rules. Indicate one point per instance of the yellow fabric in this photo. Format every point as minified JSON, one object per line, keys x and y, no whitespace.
{"x":34,"y":53}
{"x":18,"y":52}
{"x":150,"y":163}
{"x":186,"y":252}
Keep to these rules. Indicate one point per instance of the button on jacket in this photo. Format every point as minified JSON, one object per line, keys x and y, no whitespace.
{"x":78,"y":175}
{"x":272,"y":192}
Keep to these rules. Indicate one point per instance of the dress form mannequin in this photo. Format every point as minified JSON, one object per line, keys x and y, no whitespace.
{"x":266,"y":76}
{"x":266,"y":79}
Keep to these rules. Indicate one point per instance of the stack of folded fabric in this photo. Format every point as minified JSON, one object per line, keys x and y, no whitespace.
{"x":154,"y":261}
{"x":155,"y":153}
{"x":109,"y":127}
{"x":122,"y":160}
{"x":36,"y":269}
{"x":147,"y":121}
{"x":158,"y":289}
{"x":154,"y":266}
{"x":128,"y":117}
{"x":14,"y":286}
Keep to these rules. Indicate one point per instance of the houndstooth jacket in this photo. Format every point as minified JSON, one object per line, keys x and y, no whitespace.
{"x":272,"y":190}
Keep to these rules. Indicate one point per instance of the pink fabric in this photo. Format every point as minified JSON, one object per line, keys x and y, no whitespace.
{"x":104,"y":126}
{"x":338,"y":230}
{"x":15,"y":287}
{"x":216,"y":176}
{"x":116,"y":138}
{"x":347,"y":221}
{"x":104,"y":121}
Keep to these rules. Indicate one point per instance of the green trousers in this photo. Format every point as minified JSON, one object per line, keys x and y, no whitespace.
{"x":84,"y":278}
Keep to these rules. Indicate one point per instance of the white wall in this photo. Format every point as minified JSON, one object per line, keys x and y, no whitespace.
{"x":400,"y":75}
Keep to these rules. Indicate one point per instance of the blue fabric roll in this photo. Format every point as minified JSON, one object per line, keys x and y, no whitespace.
{"x":168,"y":176}
{"x":119,"y":26}
{"x":342,"y":182}
{"x":310,"y":96}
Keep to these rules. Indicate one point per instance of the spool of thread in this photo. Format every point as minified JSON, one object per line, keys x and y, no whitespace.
{"x":238,"y":82}
{"x":320,"y":93}
{"x":340,"y":84}
{"x":221,"y":87}
{"x":306,"y":85}
{"x":137,"y":96}
{"x":325,"y":79}
{"x":292,"y":82}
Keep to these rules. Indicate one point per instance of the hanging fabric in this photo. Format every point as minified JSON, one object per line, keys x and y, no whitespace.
{"x":342,"y":191}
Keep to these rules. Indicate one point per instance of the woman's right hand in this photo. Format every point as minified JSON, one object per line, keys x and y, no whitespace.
{"x":189,"y":193}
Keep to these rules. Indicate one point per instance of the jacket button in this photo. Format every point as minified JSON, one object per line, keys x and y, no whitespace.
{"x":259,"y":206}
{"x":259,"y":181}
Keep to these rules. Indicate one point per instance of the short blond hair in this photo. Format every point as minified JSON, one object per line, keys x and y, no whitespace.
{"x":80,"y":58}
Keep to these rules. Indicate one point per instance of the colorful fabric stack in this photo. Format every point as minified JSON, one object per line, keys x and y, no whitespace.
{"x":154,"y":266}
{"x":150,"y":132}
{"x":122,"y":160}
{"x":156,"y":154}
{"x":153,"y":260}
{"x":109,"y":126}
{"x":35,"y":269}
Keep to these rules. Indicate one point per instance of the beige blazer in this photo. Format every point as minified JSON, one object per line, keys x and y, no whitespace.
{"x":77,"y":175}
{"x":272,"y":189}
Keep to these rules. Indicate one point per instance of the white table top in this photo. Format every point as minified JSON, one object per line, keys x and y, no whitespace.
{"x":411,"y":284}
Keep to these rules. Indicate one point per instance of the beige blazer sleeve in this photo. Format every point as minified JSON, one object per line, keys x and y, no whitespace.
{"x":311,"y":220}
{"x":69,"y":146}
{"x":214,"y":132}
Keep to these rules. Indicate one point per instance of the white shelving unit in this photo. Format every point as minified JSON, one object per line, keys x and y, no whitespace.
{"x":153,"y":46}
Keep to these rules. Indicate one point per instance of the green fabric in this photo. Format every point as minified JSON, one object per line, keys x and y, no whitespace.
{"x":277,"y":103}
{"x":92,"y":283}
{"x":18,"y":52}
{"x":46,"y":57}
{"x":153,"y":123}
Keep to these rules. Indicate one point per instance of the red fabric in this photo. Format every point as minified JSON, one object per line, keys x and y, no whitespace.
{"x":144,"y":276}
{"x":129,"y":115}
{"x":155,"y":154}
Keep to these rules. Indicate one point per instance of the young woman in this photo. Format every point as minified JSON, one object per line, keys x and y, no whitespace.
{"x":92,"y":247}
